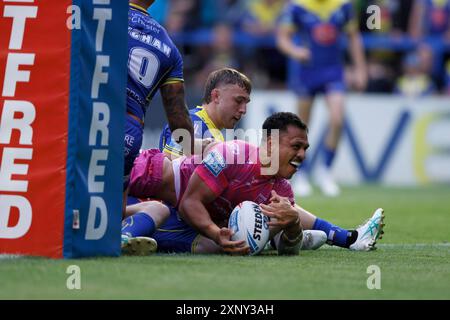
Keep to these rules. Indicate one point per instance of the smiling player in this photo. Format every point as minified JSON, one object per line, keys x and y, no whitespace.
{"x":233,"y":172}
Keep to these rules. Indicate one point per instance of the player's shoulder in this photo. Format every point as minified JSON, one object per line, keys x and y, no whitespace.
{"x":283,"y":183}
{"x":143,"y":21}
{"x":233,"y":147}
{"x":242,"y":152}
{"x":240,"y":144}
{"x":195,"y":112}
{"x":197,"y":120}
{"x":166,"y":130}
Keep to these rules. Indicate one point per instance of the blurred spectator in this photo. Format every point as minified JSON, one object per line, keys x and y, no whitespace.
{"x":425,"y":54}
{"x":159,"y":11}
{"x":447,"y":77}
{"x":268,"y":67}
{"x":219,"y":54}
{"x":263,"y":63}
{"x":221,"y":11}
{"x":383,"y":64}
{"x":260,"y":17}
{"x":184,"y":15}
{"x":415,"y":80}
{"x":430,"y":18}
{"x":394,"y":15}
{"x":189,"y":15}
{"x":381,"y":78}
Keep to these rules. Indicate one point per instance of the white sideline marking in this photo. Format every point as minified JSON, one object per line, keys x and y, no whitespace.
{"x":413,"y":245}
{"x":403,"y":245}
{"x":384,"y":246}
{"x":9,"y":256}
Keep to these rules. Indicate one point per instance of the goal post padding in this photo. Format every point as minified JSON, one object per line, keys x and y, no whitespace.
{"x":63,"y":72}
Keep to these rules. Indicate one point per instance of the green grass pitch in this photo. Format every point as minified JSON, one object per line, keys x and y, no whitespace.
{"x":413,"y":257}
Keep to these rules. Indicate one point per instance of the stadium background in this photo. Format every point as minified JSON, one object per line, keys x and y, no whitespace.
{"x":396,"y":132}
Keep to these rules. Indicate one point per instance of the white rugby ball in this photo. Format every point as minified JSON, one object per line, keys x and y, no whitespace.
{"x":250,"y":224}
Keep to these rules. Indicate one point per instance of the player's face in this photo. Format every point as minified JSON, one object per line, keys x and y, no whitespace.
{"x":292,"y":150}
{"x":232,"y":104}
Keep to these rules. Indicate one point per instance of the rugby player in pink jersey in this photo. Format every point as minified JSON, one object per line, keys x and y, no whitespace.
{"x":230,"y":173}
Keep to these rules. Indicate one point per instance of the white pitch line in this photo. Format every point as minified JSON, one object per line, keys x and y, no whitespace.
{"x":381,"y":246}
{"x":10,"y":256}
{"x":414,"y":245}
{"x":441,"y":245}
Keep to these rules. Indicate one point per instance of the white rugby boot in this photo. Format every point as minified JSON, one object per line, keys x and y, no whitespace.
{"x":313,"y":239}
{"x":138,"y":246}
{"x":369,"y":232}
{"x":301,"y":185}
{"x":326,"y":182}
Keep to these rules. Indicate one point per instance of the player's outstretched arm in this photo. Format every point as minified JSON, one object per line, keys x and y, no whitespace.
{"x":287,"y":46}
{"x":193,"y":211}
{"x":177,"y":112}
{"x":357,"y":53}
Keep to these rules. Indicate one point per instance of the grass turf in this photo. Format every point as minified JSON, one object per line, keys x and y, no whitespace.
{"x":413,"y":257}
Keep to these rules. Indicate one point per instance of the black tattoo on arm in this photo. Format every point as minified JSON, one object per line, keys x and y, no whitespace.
{"x":176,"y":110}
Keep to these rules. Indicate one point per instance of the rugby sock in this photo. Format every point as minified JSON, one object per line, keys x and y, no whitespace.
{"x":352,"y":238}
{"x":328,"y":155}
{"x":139,"y":224}
{"x":336,"y":236}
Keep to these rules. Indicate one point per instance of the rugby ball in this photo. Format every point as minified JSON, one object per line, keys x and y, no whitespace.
{"x":250,"y":224}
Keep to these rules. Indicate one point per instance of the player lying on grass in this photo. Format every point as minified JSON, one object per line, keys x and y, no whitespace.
{"x":225,"y":98}
{"x":232,"y":172}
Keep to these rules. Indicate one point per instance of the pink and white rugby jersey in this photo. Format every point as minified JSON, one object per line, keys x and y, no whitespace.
{"x":232,"y":170}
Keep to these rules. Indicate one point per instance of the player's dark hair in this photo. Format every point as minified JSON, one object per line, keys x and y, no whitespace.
{"x":225,"y":76}
{"x":281,"y":120}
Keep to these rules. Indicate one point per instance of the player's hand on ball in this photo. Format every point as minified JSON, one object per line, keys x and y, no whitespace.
{"x":232,"y":247}
{"x":281,"y":209}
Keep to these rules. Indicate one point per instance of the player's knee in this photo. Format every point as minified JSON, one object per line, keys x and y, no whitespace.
{"x":336,"y":122}
{"x":158,"y":211}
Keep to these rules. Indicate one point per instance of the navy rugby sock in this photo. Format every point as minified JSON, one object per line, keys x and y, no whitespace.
{"x":137,"y":225}
{"x":328,"y":155}
{"x":336,"y":236}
